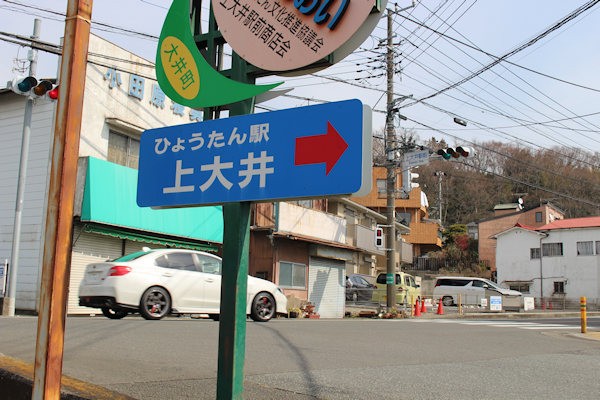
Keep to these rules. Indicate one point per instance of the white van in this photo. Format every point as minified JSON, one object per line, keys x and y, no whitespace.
{"x":471,"y":290}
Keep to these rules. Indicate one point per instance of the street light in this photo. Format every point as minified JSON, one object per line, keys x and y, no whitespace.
{"x":460,"y":121}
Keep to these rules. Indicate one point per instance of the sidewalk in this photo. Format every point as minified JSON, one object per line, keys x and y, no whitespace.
{"x":16,"y":383}
{"x":474,"y":312}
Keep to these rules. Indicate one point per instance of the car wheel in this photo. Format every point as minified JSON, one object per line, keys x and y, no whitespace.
{"x":263,"y":307}
{"x":114,"y":313}
{"x":155,"y":303}
{"x":214,"y":317}
{"x":447,"y":301}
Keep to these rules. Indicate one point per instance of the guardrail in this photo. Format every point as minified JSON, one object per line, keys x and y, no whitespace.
{"x":483,"y":305}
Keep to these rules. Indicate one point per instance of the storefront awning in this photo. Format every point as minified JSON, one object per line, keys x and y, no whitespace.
{"x":147,"y":238}
{"x":108,"y":195}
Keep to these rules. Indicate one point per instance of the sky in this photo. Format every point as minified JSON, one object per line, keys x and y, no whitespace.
{"x":544,"y":94}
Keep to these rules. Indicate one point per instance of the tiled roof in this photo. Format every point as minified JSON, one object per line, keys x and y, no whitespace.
{"x":587,"y":222}
{"x":519,"y":225}
{"x":508,"y":206}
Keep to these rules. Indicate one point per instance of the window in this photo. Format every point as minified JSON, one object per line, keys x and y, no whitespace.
{"x":478,"y":283}
{"x":183,"y":261}
{"x":403,"y":218}
{"x":522,"y":287}
{"x":534,"y":253}
{"x":358,"y":281}
{"x":381,"y":186}
{"x":262,"y":275}
{"x":538,"y":216}
{"x":452,"y":282}
{"x":585,"y":248}
{"x":209,"y":265}
{"x":552,"y":249}
{"x":123,"y":149}
{"x":303,"y":203}
{"x":597,"y":247}
{"x":292,"y":275}
{"x":559,"y":287}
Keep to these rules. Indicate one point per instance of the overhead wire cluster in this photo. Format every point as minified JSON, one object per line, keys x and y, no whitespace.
{"x":476,"y":83}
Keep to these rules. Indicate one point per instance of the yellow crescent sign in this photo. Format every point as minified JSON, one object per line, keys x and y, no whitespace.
{"x":183,"y":73}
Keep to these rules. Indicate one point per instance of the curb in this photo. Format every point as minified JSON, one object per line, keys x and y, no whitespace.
{"x":588,"y":335}
{"x":16,"y":383}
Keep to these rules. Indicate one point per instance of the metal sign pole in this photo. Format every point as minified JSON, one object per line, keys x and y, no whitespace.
{"x":234,"y":284}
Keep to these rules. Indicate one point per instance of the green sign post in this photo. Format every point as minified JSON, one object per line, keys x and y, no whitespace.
{"x":234,"y":284}
{"x":191,"y":80}
{"x":188,"y":79}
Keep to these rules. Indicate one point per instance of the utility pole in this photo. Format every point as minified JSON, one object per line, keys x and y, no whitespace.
{"x":390,"y":150}
{"x":56,"y":261}
{"x":8,"y":306}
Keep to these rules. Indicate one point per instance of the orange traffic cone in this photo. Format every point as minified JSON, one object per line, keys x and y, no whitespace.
{"x":440,"y":310}
{"x":423,"y":307}
{"x":417,"y":309}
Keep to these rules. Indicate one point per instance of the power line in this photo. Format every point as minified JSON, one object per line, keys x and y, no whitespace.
{"x":519,"y":87}
{"x":512,"y":52}
{"x":506,"y":155}
{"x":534,"y":186}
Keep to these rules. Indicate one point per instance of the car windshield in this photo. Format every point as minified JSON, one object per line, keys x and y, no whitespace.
{"x":492,"y":284}
{"x":131,"y":257}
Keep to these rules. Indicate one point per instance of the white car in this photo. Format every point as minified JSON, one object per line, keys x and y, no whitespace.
{"x":158,"y":282}
{"x":470,"y":289}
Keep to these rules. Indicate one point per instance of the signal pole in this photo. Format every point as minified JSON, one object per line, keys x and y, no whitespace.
{"x":8,"y":305}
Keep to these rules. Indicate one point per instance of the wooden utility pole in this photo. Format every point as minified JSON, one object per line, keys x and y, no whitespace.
{"x":61,"y":193}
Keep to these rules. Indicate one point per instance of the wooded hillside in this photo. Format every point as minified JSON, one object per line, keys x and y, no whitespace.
{"x":502,"y":173}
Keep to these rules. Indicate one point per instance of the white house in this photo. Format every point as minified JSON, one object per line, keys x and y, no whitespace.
{"x":567,"y":268}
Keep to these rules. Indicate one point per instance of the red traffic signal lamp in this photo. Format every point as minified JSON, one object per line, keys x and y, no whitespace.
{"x":457,"y":152}
{"x":53,"y":93}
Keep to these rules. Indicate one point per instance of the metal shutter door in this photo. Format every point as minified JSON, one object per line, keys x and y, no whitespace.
{"x":131,"y":246}
{"x":326,"y":288}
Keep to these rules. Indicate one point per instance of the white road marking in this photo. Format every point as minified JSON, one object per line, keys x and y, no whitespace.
{"x":504,"y":324}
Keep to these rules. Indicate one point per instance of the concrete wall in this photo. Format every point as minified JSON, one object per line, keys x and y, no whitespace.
{"x":12,"y":110}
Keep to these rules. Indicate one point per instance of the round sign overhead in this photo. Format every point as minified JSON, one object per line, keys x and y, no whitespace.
{"x":282,"y":35}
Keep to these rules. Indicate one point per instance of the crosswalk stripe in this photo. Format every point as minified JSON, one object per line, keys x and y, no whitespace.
{"x":505,"y":324}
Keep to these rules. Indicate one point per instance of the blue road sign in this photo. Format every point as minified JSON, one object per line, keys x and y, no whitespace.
{"x":295,"y":153}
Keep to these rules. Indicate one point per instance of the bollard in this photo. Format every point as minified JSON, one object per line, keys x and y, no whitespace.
{"x":583,"y":304}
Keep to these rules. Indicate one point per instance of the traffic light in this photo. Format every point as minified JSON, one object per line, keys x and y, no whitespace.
{"x":379,"y":237}
{"x":30,"y":86}
{"x":457,"y":152}
{"x":407,"y":182}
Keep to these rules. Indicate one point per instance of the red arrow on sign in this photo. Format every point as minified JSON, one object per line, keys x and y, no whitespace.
{"x":327,"y":148}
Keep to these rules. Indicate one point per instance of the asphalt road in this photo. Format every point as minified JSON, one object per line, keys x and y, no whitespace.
{"x":176,"y":358}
